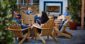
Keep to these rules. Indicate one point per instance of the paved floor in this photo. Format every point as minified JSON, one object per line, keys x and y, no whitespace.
{"x":78,"y":38}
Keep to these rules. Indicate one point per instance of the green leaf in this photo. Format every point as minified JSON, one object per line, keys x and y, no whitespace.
{"x":6,"y":8}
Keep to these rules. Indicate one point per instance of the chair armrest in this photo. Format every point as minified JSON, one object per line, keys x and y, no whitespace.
{"x":45,"y":28}
{"x":14,"y":29}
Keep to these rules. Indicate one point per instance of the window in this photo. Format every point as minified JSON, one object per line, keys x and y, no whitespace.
{"x":36,"y":1}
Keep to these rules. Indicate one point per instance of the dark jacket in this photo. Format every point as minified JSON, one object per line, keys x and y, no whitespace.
{"x":44,"y":18}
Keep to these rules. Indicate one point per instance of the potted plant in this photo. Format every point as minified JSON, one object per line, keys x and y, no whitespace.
{"x":74,"y":10}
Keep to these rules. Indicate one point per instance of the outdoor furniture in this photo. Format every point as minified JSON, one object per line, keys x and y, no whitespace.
{"x":17,"y":31}
{"x":47,"y":30}
{"x":62,"y":31}
{"x":27,"y":19}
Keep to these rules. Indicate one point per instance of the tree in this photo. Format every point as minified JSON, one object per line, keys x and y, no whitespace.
{"x":6,"y":8}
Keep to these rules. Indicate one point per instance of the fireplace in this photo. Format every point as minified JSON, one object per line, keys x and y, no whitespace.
{"x":53,"y":8}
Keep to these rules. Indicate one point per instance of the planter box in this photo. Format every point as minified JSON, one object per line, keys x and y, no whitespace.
{"x":72,"y":25}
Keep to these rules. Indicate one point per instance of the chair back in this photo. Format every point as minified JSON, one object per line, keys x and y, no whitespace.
{"x":47,"y":28}
{"x":61,"y":24}
{"x":16,"y":29}
{"x":27,"y":19}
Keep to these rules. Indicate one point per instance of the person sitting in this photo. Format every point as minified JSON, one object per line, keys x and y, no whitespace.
{"x":29,"y":11}
{"x":17,"y":19}
{"x":66,"y":13}
{"x":37,"y":19}
{"x":43,"y":19}
{"x":66,"y":18}
{"x":61,"y":27}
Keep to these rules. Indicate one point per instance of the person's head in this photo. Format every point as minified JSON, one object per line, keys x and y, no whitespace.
{"x":67,"y":8}
{"x":29,"y":8}
{"x":61,"y":17}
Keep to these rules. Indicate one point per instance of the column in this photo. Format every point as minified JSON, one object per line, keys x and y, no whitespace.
{"x":82,"y":15}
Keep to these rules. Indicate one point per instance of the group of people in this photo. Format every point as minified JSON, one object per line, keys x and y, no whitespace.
{"x":37,"y":19}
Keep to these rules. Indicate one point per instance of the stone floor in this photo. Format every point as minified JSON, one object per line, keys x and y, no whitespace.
{"x":78,"y":38}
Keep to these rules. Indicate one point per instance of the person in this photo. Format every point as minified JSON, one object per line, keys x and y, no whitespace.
{"x":64,"y":19}
{"x":16,"y":17}
{"x":66,"y":13}
{"x":44,"y":18}
{"x":37,"y":19}
{"x":41,"y":20}
{"x":29,"y":11}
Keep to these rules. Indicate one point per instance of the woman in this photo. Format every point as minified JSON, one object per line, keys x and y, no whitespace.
{"x":43,"y":19}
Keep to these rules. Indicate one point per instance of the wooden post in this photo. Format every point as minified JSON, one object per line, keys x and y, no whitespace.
{"x":19,"y":3}
{"x":82,"y":15}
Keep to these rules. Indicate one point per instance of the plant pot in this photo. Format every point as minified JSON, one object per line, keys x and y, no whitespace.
{"x":72,"y":25}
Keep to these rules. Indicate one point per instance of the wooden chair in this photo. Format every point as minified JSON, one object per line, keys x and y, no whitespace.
{"x":47,"y":30}
{"x":16,"y":29}
{"x":63,"y":31}
{"x":27,"y":19}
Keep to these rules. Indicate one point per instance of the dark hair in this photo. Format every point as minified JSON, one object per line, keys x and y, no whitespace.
{"x":67,"y":8}
{"x":44,"y":17}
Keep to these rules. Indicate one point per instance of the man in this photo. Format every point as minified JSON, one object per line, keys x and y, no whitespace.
{"x":29,"y":11}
